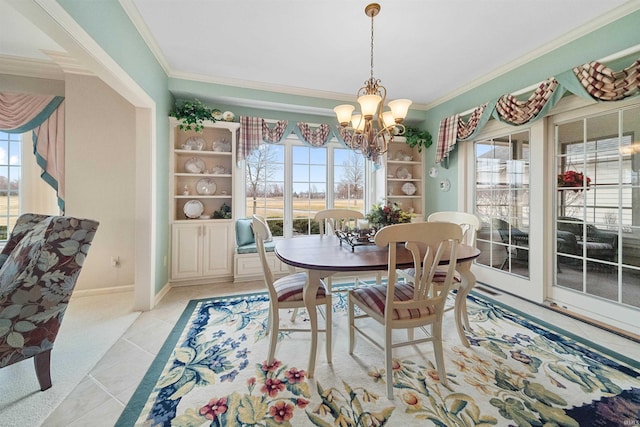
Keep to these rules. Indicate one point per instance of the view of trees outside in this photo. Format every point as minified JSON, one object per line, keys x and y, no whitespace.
{"x":265,"y":189}
{"x":10,"y":171}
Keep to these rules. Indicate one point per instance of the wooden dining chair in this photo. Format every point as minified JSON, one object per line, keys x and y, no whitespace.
{"x":470,"y":225}
{"x":407,"y":305}
{"x":286,"y":293}
{"x":332,"y":220}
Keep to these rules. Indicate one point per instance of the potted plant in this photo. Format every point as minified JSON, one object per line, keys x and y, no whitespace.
{"x":574,"y":179}
{"x":417,"y":138}
{"x":192,"y":114}
{"x":382,"y":215}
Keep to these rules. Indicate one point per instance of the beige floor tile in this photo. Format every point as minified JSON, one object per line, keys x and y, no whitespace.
{"x":87,"y":396}
{"x":121,"y":376}
{"x":104,"y":415}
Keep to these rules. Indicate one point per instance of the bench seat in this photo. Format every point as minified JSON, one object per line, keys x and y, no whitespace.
{"x":246,"y":261}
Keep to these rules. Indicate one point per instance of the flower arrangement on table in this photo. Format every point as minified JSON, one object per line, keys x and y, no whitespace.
{"x":382,"y":215}
{"x":574,"y":179}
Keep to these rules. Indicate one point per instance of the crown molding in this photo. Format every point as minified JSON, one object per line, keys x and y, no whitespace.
{"x":67,"y":63}
{"x":30,"y":67}
{"x":599,"y":22}
{"x":281,"y":89}
{"x":136,"y":18}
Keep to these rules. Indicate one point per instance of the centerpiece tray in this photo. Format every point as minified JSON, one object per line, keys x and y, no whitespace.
{"x":355,"y":238}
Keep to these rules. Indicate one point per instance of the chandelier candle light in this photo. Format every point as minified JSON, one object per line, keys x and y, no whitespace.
{"x":372,"y":129}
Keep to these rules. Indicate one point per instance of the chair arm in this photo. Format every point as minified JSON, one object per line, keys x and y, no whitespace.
{"x":567,"y":242}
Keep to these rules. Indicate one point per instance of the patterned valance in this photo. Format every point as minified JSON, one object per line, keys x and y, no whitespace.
{"x":255,"y":131}
{"x":592,"y":80}
{"x":44,"y":115}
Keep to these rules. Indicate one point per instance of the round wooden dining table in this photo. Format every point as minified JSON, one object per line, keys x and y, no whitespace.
{"x":325,"y":255}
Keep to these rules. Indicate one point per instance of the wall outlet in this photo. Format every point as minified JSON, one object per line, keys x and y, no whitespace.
{"x":115,"y":261}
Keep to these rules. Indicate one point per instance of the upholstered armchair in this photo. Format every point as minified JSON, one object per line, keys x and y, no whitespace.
{"x":600,"y":244}
{"x":40,"y":265}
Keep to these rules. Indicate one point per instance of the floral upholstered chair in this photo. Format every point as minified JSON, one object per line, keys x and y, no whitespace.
{"x":40,"y":266}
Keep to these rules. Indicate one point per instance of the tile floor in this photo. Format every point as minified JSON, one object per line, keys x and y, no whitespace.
{"x":101,"y":397}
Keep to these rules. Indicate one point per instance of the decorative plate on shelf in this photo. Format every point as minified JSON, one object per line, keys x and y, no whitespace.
{"x":403,"y":173}
{"x":218,"y":169}
{"x":216,"y":114}
{"x":195,"y":143}
{"x":206,"y":187}
{"x":193,"y":209}
{"x":194,"y":165}
{"x":408,"y":188}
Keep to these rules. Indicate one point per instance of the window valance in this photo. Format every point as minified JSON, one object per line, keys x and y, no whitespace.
{"x":255,"y":131}
{"x":44,"y":115}
{"x":592,"y":80}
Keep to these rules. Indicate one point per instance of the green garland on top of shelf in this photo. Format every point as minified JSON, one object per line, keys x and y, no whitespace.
{"x":416,"y":137}
{"x":192,"y":114}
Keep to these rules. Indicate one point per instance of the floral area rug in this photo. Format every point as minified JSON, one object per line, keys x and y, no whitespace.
{"x":519,"y":371}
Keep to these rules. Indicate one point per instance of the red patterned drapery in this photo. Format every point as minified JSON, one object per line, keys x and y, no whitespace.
{"x":317,"y":137}
{"x":255,"y":131}
{"x":605,"y":84}
{"x":447,"y":137}
{"x":351,"y":139}
{"x":516,"y":112}
{"x":454,"y":128}
{"x":593,"y":80}
{"x":275,"y":135}
{"x":44,"y":115}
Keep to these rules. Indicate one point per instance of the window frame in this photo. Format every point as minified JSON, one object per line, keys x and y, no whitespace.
{"x":288,"y":143}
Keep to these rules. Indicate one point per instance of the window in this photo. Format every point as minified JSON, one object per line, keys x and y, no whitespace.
{"x":10,"y":173}
{"x":288,"y":183}
{"x":502,"y":201}
{"x":599,"y":224}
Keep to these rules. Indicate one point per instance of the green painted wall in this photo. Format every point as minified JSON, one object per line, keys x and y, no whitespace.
{"x":108,"y":24}
{"x":615,"y":37}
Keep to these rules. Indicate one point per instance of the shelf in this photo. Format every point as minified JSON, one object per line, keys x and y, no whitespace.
{"x":202,"y":196}
{"x":403,"y":179}
{"x":207,"y":175}
{"x":203,"y":153}
{"x":404,"y":162}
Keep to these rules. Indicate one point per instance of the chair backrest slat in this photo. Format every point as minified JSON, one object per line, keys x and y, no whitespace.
{"x":470,"y":223}
{"x":428,"y":242}
{"x":331,"y":220}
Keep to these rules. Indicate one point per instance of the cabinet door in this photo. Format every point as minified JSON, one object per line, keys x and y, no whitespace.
{"x":186,"y":259}
{"x":217,"y":253}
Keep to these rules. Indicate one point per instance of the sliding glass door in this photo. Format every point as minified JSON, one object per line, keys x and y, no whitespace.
{"x":598,"y":206}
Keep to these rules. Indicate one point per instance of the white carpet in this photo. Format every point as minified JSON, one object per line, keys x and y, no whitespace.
{"x":90,"y":327}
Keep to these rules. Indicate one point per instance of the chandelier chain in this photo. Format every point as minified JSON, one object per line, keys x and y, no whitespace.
{"x":372,"y":16}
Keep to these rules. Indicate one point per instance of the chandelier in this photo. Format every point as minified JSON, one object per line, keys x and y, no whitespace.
{"x":372,"y":128}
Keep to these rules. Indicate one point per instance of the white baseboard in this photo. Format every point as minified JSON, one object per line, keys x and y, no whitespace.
{"x":79,"y":293}
{"x":164,"y":291}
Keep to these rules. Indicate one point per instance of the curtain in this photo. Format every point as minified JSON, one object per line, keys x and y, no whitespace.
{"x":592,"y":80}
{"x":44,"y":115}
{"x":255,"y":131}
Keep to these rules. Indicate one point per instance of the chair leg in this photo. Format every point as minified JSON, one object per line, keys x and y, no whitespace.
{"x":436,"y":331}
{"x":328,"y":327}
{"x":294,"y":314}
{"x":388,"y":359}
{"x":274,"y":326}
{"x":351,"y":323}
{"x":42,"y":363}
